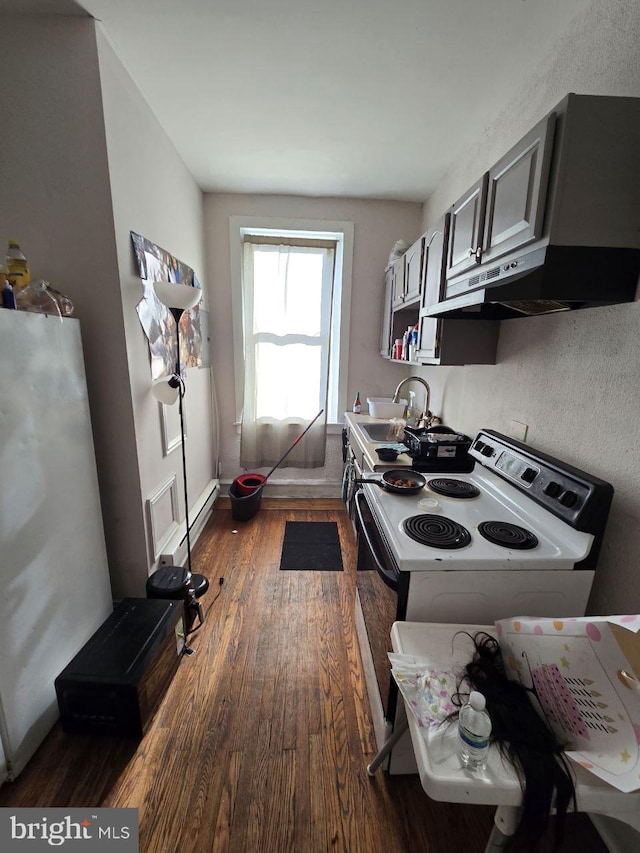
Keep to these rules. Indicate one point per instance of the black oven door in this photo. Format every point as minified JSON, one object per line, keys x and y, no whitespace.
{"x":382,"y":590}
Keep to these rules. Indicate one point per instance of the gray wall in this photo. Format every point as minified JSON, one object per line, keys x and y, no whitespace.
{"x":572,"y":378}
{"x":377,"y":226}
{"x":155,"y":195}
{"x":71,"y":190}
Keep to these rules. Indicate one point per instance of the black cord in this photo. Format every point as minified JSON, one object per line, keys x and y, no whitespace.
{"x":215,"y":598}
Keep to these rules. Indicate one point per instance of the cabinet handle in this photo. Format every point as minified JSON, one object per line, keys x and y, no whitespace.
{"x":477,"y":253}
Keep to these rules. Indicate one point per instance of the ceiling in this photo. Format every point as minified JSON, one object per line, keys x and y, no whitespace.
{"x":363,"y":98}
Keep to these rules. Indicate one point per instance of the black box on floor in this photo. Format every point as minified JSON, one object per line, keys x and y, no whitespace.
{"x":116,"y":681}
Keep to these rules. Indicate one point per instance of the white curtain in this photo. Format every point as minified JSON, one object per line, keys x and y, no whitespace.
{"x":287,"y":296}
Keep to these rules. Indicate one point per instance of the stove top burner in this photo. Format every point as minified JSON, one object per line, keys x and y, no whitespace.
{"x":436,"y":531}
{"x":507,"y":535}
{"x":453,"y":488}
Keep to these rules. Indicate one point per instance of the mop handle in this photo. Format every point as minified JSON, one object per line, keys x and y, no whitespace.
{"x":284,"y":456}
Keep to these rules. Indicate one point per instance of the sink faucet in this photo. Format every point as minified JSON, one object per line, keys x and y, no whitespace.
{"x":426,"y":417}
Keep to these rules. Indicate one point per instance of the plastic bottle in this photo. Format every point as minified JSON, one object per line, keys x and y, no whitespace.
{"x":18,"y":270}
{"x":474,"y":728}
{"x":411,"y":409}
{"x":35,"y":297}
{"x":397,"y":348}
{"x":414,"y":341}
{"x":357,"y":405}
{"x":8,"y":296}
{"x":65,"y":303}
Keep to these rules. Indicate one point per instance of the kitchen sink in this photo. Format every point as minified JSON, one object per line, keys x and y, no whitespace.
{"x":382,"y":432}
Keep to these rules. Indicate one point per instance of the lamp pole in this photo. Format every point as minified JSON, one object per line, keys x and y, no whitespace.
{"x":177,"y":314}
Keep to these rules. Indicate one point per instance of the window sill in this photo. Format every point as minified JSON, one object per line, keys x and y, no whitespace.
{"x":332,"y":429}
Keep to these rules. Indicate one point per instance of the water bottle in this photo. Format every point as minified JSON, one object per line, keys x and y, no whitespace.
{"x":474,"y":728}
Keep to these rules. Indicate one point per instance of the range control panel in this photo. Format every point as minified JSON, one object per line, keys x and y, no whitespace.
{"x":573,"y":495}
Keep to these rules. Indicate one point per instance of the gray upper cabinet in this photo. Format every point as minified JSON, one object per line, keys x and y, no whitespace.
{"x":516,"y":194}
{"x":385,"y":334}
{"x":448,"y":341}
{"x":397,"y":275}
{"x":432,"y":280}
{"x":413,"y":271}
{"x":466,"y":230}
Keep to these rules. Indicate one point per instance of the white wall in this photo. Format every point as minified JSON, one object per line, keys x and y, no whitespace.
{"x":377,"y":226}
{"x":572,"y":378}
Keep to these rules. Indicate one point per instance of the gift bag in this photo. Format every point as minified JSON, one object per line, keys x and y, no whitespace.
{"x":584,"y":677}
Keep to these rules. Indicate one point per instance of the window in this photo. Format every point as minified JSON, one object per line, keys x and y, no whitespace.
{"x":304,"y":335}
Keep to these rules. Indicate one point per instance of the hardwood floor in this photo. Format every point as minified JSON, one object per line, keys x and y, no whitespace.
{"x":262,"y":740}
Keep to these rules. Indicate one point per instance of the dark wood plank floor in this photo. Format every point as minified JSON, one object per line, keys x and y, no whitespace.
{"x":262,"y":741}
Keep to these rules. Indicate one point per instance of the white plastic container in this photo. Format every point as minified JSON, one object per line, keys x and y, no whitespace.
{"x":384,"y":407}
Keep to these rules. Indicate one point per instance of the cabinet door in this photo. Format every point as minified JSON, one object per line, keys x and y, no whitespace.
{"x":466,"y":229}
{"x":385,"y":334}
{"x":398,"y":282}
{"x":413,"y":260}
{"x":517,"y":193}
{"x":432,"y":286}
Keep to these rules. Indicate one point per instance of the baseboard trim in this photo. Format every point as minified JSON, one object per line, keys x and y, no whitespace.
{"x":295,"y":488}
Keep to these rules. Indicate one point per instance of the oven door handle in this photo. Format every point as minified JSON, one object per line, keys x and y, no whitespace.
{"x":388,"y":577}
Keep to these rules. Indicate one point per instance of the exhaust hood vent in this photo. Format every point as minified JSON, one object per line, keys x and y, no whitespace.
{"x":558,"y":278}
{"x":554,"y":225}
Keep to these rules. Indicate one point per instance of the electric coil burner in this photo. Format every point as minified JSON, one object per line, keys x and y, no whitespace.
{"x":436,"y":531}
{"x":527,"y":544}
{"x":453,"y":488}
{"x":508,"y":535}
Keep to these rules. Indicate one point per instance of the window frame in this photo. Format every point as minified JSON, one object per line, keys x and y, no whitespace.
{"x":313,"y":229}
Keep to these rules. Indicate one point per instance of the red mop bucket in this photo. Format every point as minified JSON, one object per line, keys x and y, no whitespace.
{"x":247,"y":484}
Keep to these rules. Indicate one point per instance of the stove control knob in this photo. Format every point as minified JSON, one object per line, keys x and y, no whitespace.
{"x":552,"y":489}
{"x":486,"y":450}
{"x":529,"y":475}
{"x":479,"y":445}
{"x":568,"y":499}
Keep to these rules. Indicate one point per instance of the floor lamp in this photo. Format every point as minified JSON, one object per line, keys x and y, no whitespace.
{"x":178,"y":298}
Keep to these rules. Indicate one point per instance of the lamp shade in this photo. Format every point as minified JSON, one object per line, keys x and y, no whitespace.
{"x":177,"y":295}
{"x":165,"y":389}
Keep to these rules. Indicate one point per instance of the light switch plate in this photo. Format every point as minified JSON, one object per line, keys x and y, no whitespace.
{"x":519,"y":430}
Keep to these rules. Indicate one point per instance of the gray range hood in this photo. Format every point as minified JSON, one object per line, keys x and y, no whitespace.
{"x":547,"y":280}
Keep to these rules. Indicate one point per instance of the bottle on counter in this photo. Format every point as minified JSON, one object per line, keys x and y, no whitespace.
{"x":357,"y":405}
{"x":35,"y":297}
{"x":8,"y":296}
{"x":397,"y":348}
{"x":410,"y":417}
{"x":18,"y":274}
{"x":474,"y":729}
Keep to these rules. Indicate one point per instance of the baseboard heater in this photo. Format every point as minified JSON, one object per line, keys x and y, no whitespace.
{"x":175,"y":551}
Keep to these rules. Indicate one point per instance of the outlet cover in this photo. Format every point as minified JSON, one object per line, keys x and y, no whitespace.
{"x":519,"y":430}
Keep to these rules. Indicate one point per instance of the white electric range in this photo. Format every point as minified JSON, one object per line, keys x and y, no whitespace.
{"x":519,"y":535}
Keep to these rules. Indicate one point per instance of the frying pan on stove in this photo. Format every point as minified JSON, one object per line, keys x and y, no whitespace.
{"x":400,"y":481}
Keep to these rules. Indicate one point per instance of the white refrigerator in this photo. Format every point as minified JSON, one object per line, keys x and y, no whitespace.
{"x":54,"y":581}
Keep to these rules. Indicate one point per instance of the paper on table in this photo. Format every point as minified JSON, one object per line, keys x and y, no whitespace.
{"x":583,"y":672}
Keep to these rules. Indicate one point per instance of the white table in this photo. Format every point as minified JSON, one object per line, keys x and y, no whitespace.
{"x":441,"y":773}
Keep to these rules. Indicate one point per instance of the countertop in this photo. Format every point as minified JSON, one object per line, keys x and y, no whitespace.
{"x":366,"y":450}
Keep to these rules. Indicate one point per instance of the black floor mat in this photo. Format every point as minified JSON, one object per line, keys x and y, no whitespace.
{"x":313,"y":545}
